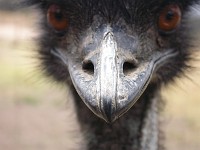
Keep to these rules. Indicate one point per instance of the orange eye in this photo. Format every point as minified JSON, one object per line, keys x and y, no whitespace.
{"x":57,"y":18}
{"x":169,"y":18}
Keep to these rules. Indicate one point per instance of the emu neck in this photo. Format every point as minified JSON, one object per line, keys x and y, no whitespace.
{"x":136,"y":130}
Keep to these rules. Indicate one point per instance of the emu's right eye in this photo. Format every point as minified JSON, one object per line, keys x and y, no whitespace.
{"x":169,"y":18}
{"x":57,"y":18}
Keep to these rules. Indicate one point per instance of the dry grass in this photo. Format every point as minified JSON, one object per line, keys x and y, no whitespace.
{"x":33,"y":114}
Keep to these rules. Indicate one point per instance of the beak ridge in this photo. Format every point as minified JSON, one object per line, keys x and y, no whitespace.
{"x":107,"y":77}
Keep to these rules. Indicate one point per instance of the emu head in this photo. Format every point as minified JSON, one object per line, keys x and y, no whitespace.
{"x":113,"y":49}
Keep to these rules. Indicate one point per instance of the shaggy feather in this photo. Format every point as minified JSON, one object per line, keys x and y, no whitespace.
{"x":138,"y":129}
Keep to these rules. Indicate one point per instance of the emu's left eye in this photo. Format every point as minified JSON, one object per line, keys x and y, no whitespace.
{"x":57,"y":18}
{"x":169,"y":18}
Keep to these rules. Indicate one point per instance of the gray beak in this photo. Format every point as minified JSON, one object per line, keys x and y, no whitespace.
{"x":108,"y":92}
{"x":112,"y":77}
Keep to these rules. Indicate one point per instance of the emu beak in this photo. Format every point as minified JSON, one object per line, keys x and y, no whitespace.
{"x":102,"y":83}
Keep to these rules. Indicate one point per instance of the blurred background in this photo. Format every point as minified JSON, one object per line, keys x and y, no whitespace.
{"x":33,"y":108}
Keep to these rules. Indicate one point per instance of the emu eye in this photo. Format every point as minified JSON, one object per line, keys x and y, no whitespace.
{"x":57,"y":18}
{"x":169,"y":18}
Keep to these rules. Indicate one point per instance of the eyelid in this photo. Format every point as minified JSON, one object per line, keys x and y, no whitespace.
{"x":166,"y":24}
{"x":57,"y":18}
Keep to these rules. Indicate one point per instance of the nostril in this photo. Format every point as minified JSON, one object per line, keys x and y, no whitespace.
{"x":129,"y":67}
{"x":88,"y":67}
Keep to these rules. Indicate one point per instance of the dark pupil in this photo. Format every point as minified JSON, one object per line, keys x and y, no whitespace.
{"x":58,"y":15}
{"x":170,"y":15}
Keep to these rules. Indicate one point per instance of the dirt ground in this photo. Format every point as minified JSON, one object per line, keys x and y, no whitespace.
{"x":33,"y":110}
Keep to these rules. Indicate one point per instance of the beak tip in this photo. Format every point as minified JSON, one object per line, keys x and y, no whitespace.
{"x":109,"y":114}
{"x":109,"y":119}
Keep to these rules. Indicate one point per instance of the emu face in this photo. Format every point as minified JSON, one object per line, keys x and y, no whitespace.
{"x":113,"y":49}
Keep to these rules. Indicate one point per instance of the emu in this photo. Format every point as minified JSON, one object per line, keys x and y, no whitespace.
{"x":115,"y":55}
